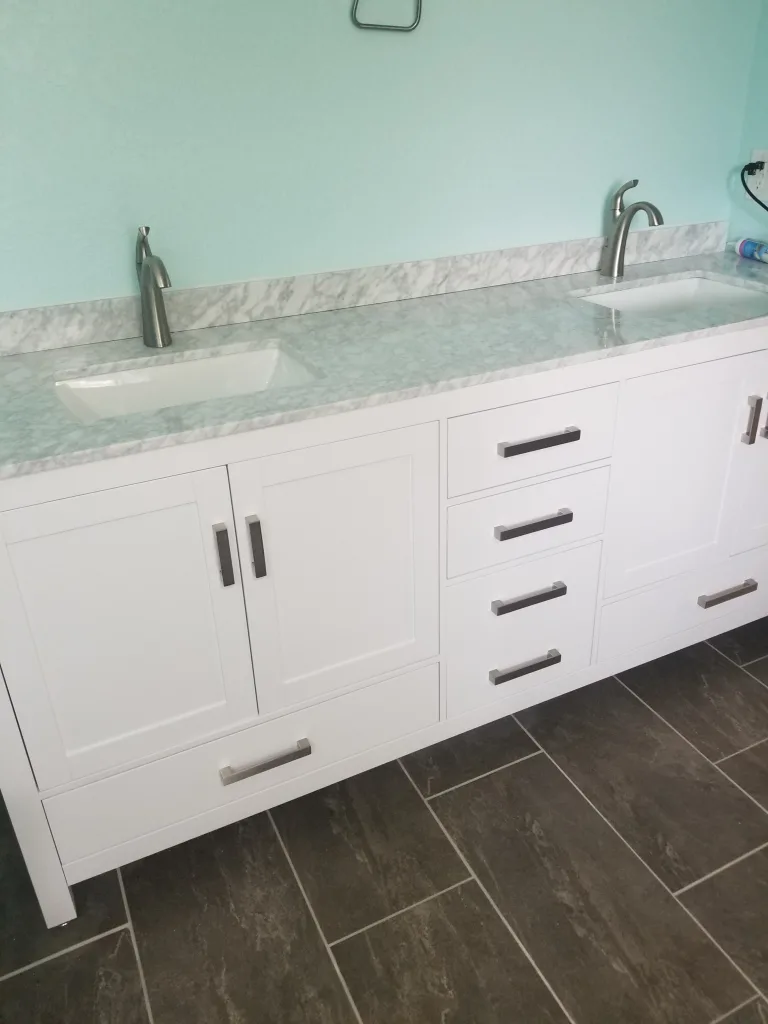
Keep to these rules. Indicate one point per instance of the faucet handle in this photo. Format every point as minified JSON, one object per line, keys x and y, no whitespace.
{"x":618,"y":200}
{"x":142,"y":248}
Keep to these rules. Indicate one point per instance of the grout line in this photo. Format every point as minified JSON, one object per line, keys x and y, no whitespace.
{"x":730,"y":864}
{"x":131,"y":929}
{"x":754,"y":661}
{"x":632,"y":850}
{"x":744,"y":668}
{"x":485,"y":775}
{"x":62,"y":952}
{"x":693,"y":746}
{"x":398,"y":913}
{"x":724,"y":1018}
{"x":742,"y":751}
{"x":488,"y":896}
{"x":313,"y":915}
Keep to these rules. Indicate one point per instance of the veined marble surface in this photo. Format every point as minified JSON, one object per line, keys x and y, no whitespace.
{"x":84,"y":323}
{"x":364,"y":356}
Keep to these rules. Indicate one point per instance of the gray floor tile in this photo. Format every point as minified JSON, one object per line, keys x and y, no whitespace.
{"x":750,"y":770}
{"x":660,"y":793}
{"x":366,"y":848}
{"x":464,"y":757}
{"x":610,"y":939}
{"x":714,"y":704}
{"x":755,"y":1013}
{"x":744,"y":644}
{"x":759,"y":669}
{"x":95,"y":984}
{"x":225,"y":936}
{"x":733,"y":907}
{"x":24,"y":937}
{"x":448,"y":960}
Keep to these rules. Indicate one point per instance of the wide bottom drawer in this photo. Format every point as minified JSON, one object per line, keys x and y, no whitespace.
{"x":528,"y":624}
{"x":740,"y":584}
{"x":104,"y":814}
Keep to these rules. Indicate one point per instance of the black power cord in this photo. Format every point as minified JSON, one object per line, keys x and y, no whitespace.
{"x":751,"y":170}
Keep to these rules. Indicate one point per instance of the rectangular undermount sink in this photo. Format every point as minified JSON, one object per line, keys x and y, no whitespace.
{"x":681,"y":295}
{"x":148,"y":388}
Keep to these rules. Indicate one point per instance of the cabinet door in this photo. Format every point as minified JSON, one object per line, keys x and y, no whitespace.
{"x":339,"y":547}
{"x":747,"y":499}
{"x":120,"y":635}
{"x":677,"y":467}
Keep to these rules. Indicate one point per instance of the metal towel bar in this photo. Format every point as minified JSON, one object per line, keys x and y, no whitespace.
{"x":387,"y":28}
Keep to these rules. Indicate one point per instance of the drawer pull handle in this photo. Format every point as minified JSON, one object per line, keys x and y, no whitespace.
{"x":711,"y":600}
{"x":535,"y":444}
{"x":229,"y":775}
{"x":552,"y":657}
{"x":258,"y":561}
{"x":559,"y":518}
{"x":755,"y":411}
{"x":558,"y":589}
{"x":226,"y":569}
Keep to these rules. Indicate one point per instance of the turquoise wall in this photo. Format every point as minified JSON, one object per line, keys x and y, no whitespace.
{"x":269,"y":137}
{"x":748,"y":220}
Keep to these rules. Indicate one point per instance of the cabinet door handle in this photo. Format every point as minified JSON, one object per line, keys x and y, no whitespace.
{"x":226,"y":569}
{"x":509,"y":449}
{"x":755,"y":411}
{"x":712,"y":600}
{"x":559,"y":518}
{"x":497,"y":677}
{"x":258,"y":560}
{"x":558,"y":589}
{"x":229,"y":775}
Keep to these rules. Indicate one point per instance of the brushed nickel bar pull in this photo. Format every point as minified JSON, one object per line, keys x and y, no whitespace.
{"x":229,"y":775}
{"x":755,"y":411}
{"x":712,"y":600}
{"x":559,"y":518}
{"x":507,"y":450}
{"x":553,"y":657}
{"x":226,"y":569}
{"x":558,"y":589}
{"x":258,"y":560}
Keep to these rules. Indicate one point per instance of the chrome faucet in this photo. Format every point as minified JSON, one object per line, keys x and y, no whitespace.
{"x":615,"y":248}
{"x":153,"y":278}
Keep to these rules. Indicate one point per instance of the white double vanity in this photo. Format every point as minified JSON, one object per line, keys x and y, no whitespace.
{"x":196,"y":632}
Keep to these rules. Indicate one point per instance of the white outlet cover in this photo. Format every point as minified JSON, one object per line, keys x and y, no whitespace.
{"x":759,"y":182}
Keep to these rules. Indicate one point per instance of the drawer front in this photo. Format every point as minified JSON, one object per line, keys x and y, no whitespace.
{"x":684,"y":603}
{"x":528,"y":624}
{"x":102,"y":814}
{"x":524,"y":522}
{"x":489,"y":449}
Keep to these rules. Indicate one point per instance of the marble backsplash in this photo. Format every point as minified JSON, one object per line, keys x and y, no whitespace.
{"x":82,"y":323}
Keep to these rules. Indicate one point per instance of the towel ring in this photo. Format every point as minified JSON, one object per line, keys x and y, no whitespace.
{"x":387,"y":28}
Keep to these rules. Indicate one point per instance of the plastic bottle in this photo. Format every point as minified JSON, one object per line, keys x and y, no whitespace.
{"x":752,"y":250}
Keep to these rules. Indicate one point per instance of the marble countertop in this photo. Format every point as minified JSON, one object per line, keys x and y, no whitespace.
{"x":366,"y":356}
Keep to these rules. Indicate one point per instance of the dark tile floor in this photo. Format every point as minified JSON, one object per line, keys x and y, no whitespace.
{"x":600,"y":859}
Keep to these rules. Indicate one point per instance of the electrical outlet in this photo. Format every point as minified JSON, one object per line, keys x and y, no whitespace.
{"x":759,"y":182}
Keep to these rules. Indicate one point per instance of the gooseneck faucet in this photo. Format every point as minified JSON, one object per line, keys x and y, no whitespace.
{"x":153,"y":278}
{"x":615,"y":248}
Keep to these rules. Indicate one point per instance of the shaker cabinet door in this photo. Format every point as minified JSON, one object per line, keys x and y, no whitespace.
{"x":339,"y":550}
{"x":747,"y":500}
{"x":681,"y":467}
{"x":122,"y":624}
